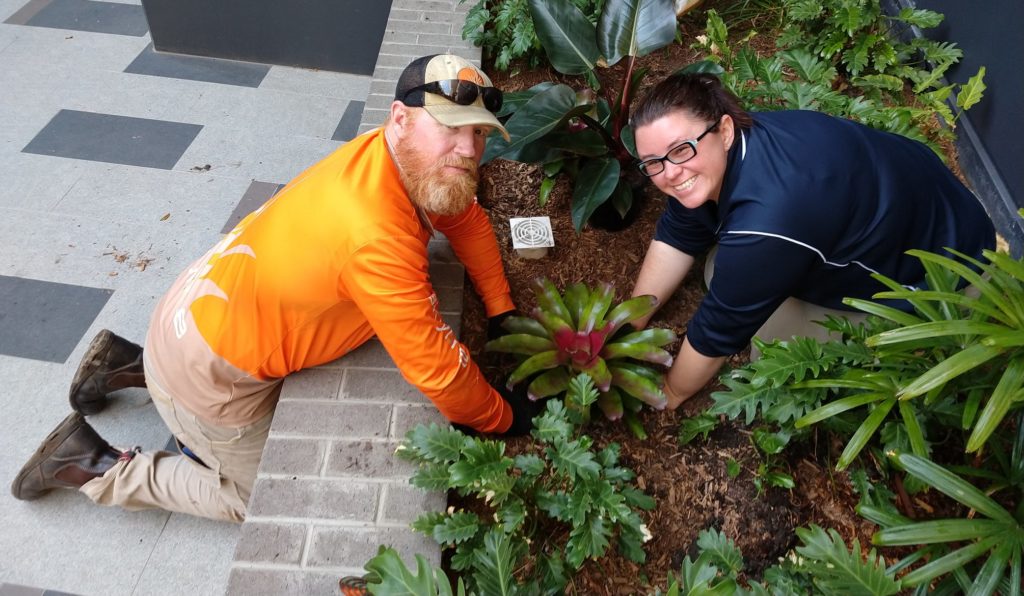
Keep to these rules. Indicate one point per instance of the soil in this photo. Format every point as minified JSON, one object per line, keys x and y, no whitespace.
{"x":690,"y":484}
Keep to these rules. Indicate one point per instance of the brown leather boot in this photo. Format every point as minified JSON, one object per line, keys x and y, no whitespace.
{"x":72,"y":455}
{"x":110,"y":363}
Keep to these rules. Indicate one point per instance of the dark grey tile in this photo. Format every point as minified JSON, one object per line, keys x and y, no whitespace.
{"x":257,"y":194}
{"x":18,"y":590}
{"x":114,"y":139}
{"x":89,"y":15}
{"x":195,"y":68}
{"x":57,"y":593}
{"x":44,"y":320}
{"x":349,"y":124}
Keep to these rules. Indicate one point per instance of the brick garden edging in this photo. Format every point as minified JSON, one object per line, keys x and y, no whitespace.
{"x":329,"y":489}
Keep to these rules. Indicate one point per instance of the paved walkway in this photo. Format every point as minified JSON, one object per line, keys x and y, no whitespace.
{"x":119,"y":166}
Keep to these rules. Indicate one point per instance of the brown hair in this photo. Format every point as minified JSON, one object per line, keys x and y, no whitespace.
{"x":699,"y":94}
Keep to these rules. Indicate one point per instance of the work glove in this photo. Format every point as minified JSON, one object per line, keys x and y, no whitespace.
{"x":494,"y":328}
{"x":523,"y":410}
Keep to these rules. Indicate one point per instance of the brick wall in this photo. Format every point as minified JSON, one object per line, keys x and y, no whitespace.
{"x":329,"y":489}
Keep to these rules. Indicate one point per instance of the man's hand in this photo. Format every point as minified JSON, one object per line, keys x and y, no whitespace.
{"x":494,"y":328}
{"x":523,"y":410}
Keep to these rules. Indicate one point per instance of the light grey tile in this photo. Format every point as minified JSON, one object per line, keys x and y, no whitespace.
{"x":316,"y":82}
{"x":114,"y":139}
{"x":45,"y":320}
{"x":92,"y":16}
{"x":204,"y":547}
{"x":197,"y":68}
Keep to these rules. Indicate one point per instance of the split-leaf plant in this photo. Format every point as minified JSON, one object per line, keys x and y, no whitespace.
{"x":903,"y":98}
{"x":820,"y":565}
{"x":548,"y":510}
{"x":582,"y":332}
{"x":584,"y":132}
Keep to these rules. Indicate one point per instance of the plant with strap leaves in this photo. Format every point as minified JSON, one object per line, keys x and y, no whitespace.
{"x":580,"y":333}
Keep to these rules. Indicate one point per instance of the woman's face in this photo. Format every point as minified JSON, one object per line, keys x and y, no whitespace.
{"x":699,"y":179}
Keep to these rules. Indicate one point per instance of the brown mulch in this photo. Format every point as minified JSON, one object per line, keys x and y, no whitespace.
{"x":690,"y":483}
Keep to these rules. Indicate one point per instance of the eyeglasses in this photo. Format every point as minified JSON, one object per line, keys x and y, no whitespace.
{"x":461,"y":92}
{"x":681,"y":153}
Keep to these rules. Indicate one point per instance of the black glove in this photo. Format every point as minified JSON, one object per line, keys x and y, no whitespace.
{"x":494,"y":328}
{"x":523,"y":410}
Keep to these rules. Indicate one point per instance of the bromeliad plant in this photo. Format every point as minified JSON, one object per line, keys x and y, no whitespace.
{"x":580,"y":333}
{"x":578,"y":132}
{"x":562,"y":484}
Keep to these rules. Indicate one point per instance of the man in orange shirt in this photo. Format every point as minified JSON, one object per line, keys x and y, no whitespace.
{"x":336,"y":257}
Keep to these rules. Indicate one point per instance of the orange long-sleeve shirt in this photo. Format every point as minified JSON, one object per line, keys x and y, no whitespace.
{"x":336,"y":257}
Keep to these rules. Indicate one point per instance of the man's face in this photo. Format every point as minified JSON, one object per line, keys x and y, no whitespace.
{"x":438,"y":163}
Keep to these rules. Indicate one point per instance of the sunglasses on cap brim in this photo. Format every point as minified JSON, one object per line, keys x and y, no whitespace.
{"x":461,"y":92}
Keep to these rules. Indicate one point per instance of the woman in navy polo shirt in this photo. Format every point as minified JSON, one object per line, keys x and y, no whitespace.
{"x":801,"y":208}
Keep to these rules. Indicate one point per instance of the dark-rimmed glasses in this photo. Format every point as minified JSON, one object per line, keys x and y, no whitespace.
{"x":461,"y":92}
{"x":681,"y":153}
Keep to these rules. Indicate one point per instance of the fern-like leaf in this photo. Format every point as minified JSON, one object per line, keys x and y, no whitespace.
{"x":837,"y":570}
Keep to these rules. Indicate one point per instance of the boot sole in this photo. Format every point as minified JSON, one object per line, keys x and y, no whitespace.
{"x":99,"y":345}
{"x":49,"y":445}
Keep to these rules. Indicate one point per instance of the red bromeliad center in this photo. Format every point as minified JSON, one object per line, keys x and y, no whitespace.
{"x":580,"y":347}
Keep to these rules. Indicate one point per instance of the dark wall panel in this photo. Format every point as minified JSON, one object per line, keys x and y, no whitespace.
{"x":337,"y":35}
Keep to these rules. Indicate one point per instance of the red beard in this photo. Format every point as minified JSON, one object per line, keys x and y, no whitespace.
{"x":437,"y":192}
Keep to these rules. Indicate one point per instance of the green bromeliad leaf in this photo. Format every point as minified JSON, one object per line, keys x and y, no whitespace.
{"x":533,"y":365}
{"x":520,"y":343}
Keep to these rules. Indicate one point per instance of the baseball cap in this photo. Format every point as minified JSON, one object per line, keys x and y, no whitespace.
{"x":452,"y":90}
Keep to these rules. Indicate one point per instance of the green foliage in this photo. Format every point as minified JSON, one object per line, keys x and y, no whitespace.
{"x":564,"y":481}
{"x":846,"y":58}
{"x":994,"y":533}
{"x":582,"y":331}
{"x":504,"y":30}
{"x":822,"y":564}
{"x":902,"y":376}
{"x":580,"y":133}
{"x":387,"y":574}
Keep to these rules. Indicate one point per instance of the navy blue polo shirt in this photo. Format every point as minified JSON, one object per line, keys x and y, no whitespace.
{"x":810,"y":206}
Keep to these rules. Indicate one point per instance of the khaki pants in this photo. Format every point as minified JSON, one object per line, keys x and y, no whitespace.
{"x":793,"y":318}
{"x":174,"y":482}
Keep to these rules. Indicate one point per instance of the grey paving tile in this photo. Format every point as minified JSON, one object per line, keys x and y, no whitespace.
{"x":246,"y":582}
{"x":349,"y":125}
{"x":202,"y":547}
{"x":114,"y":139}
{"x":84,"y":15}
{"x":257,"y":194}
{"x":196,"y":68}
{"x":19,"y":590}
{"x":26,"y":12}
{"x":45,"y":320}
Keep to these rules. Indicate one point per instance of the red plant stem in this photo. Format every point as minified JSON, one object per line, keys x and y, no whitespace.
{"x":906,"y":505}
{"x":623,"y":110}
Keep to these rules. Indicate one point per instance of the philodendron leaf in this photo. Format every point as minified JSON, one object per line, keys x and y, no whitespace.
{"x":635,"y":28}
{"x":387,"y":574}
{"x":543,"y":113}
{"x":435,"y":444}
{"x":595,"y":184}
{"x":971,"y":93}
{"x":568,"y":37}
{"x":837,"y":570}
{"x":589,"y":539}
{"x":494,"y":565}
{"x":457,"y":527}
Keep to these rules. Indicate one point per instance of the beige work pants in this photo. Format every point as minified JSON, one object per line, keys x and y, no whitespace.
{"x":174,"y":482}
{"x":793,"y":318}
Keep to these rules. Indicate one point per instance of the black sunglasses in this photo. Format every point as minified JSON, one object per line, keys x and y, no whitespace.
{"x":461,"y":92}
